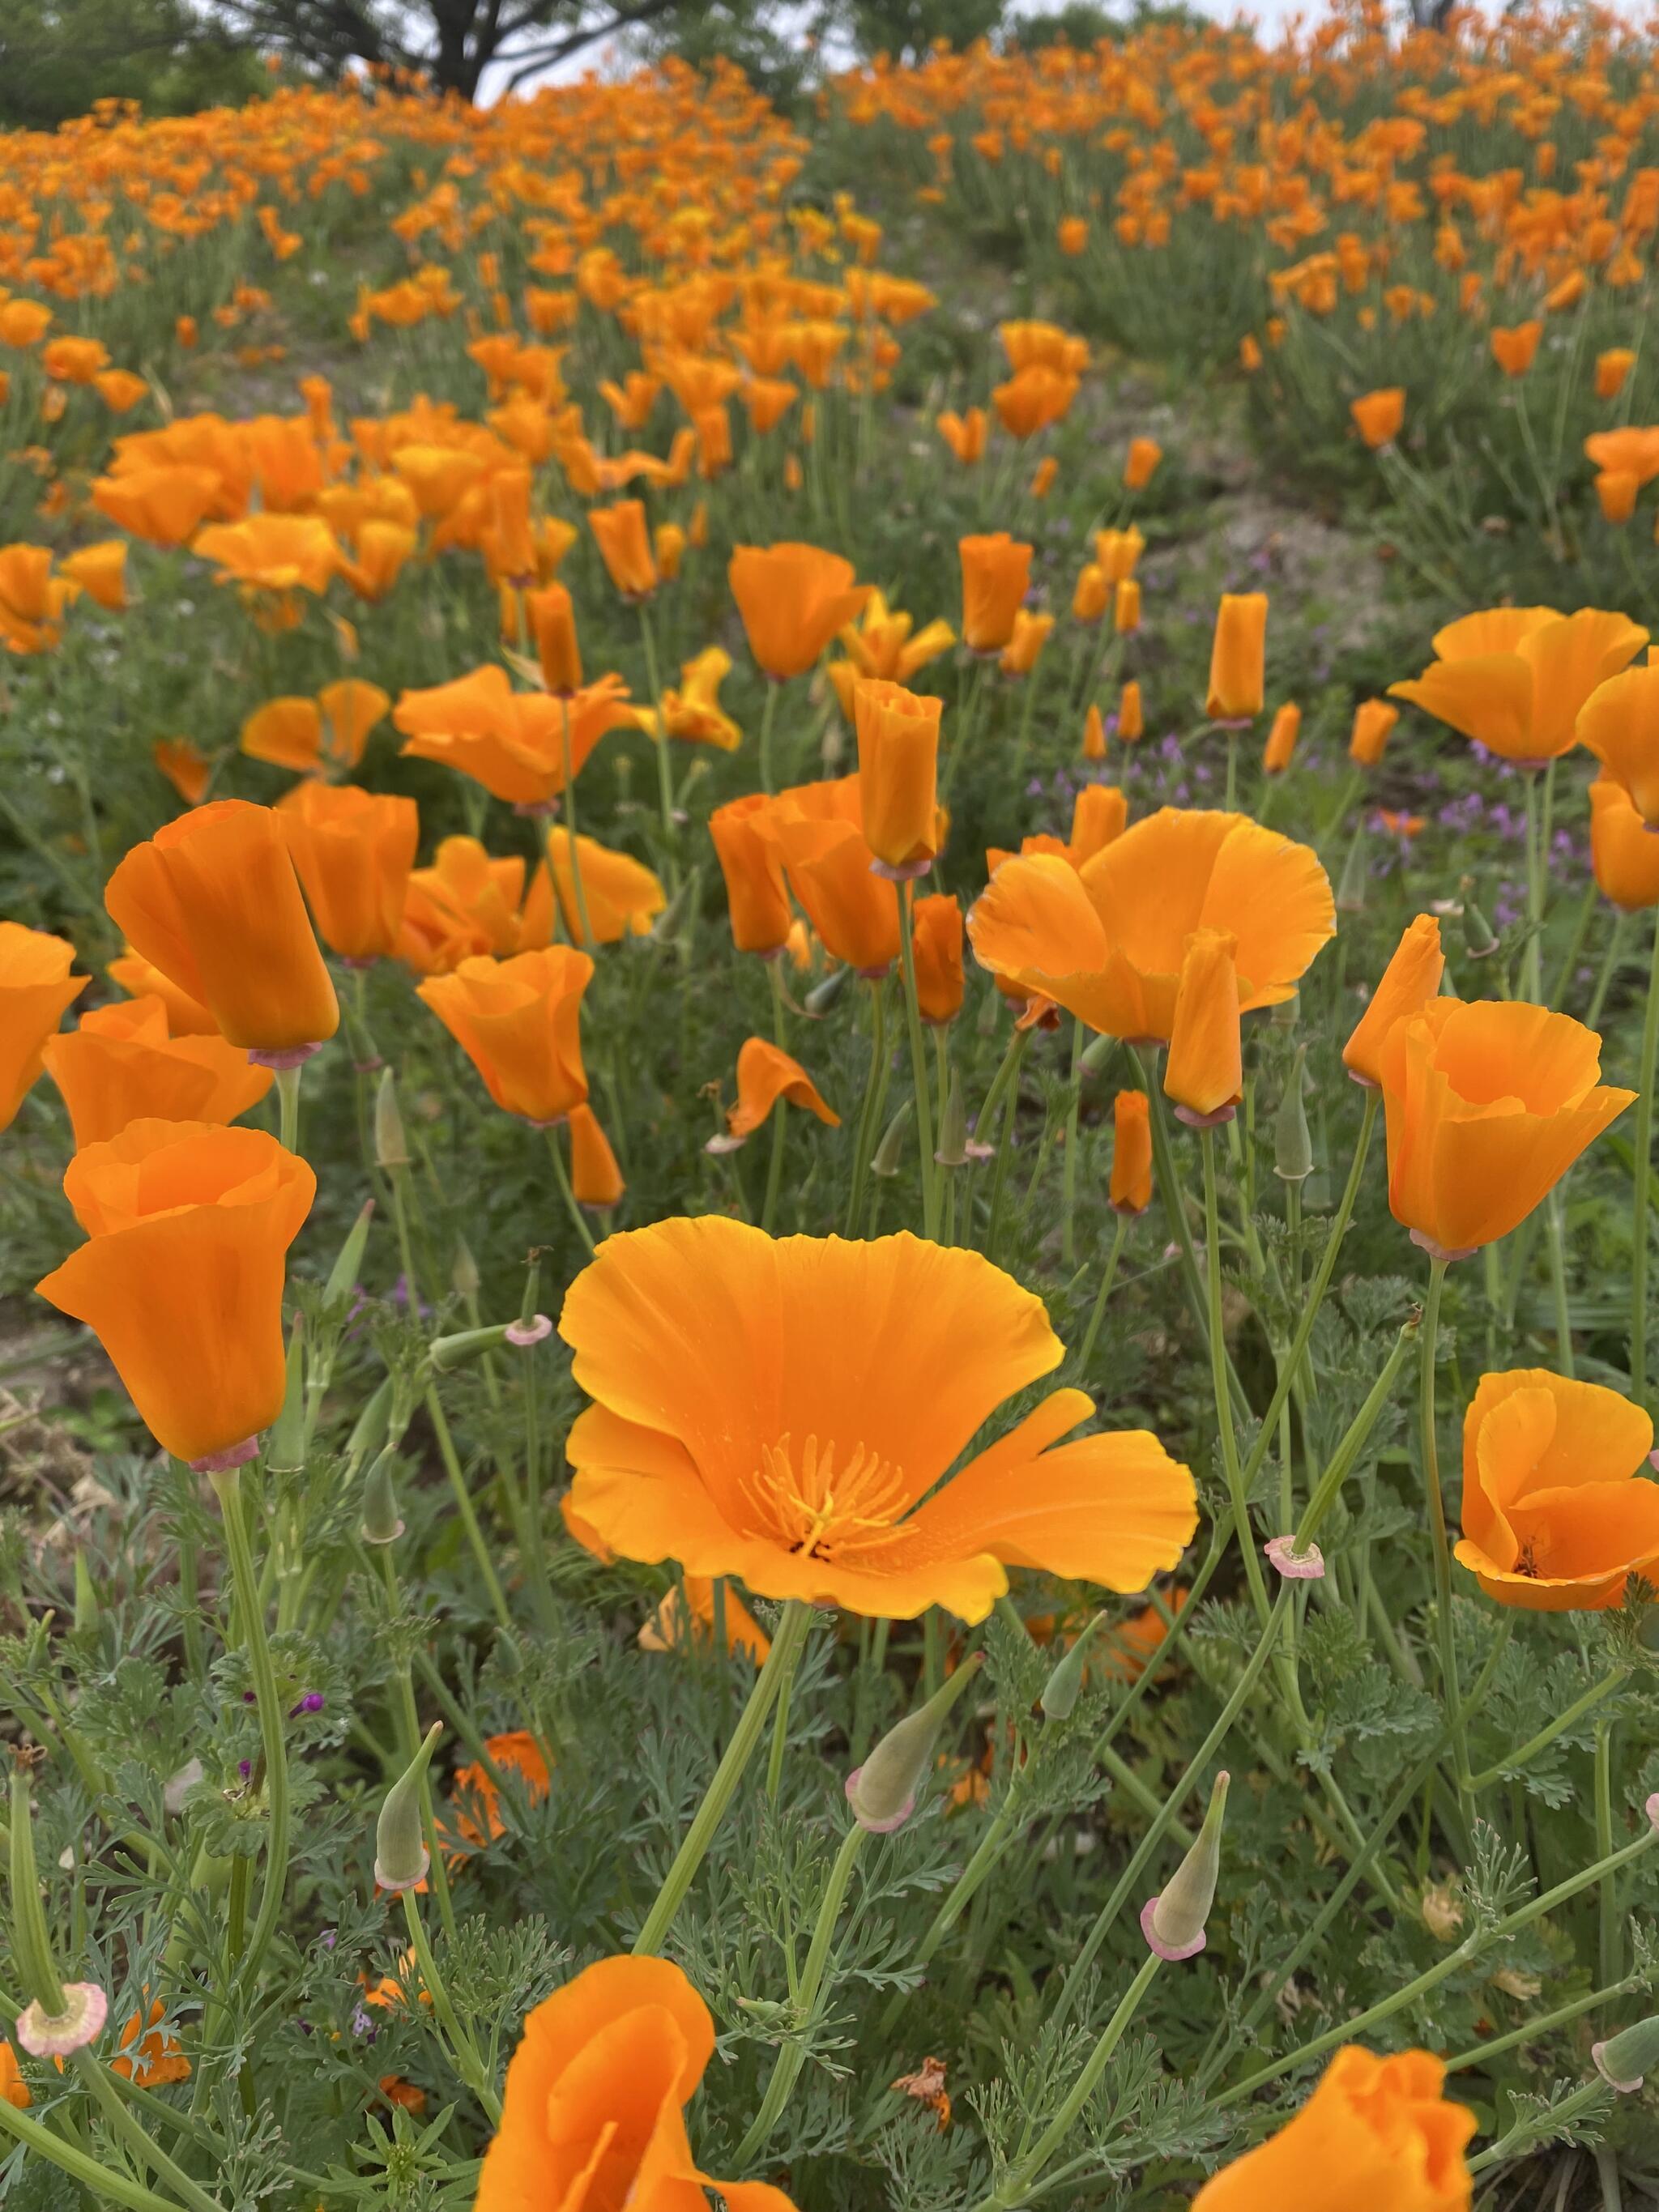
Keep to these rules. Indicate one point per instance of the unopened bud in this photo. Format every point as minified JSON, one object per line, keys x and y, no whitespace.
{"x":822,"y":996}
{"x":1293,"y":1158}
{"x":883,"y":1791}
{"x":451,"y":1351}
{"x":953,"y":1127}
{"x":348,"y":1267}
{"x":1480,"y":938}
{"x":401,"y":1857}
{"x":31,"y":1943}
{"x":285,"y":1447}
{"x":1350,"y":885}
{"x":890,"y":1152}
{"x":380,"y":1523}
{"x":1624,"y":2059}
{"x":391,"y":1146}
{"x":369,"y":1430}
{"x":1173,"y":1922}
{"x":463,"y":1271}
{"x":668,"y":925}
{"x":1065,"y":1686}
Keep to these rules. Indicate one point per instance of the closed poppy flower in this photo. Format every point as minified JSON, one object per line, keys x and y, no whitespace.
{"x":1409,"y":982}
{"x":1108,"y":942}
{"x":1377,"y":416}
{"x":1100,"y":814}
{"x":151,"y":2056}
{"x":593,"y":2112}
{"x":792,"y":599}
{"x":623,"y":896}
{"x":1618,"y":722}
{"x":1204,"y":1071}
{"x":1094,"y":735}
{"x":1131,"y":715}
{"x":100,"y":571}
{"x":1029,"y":634}
{"x":1092,"y":594}
{"x":1612,"y":368}
{"x":1130,"y":1189}
{"x":519,"y":1022}
{"x":794,"y":1402}
{"x":353,"y":850}
{"x":1513,"y":348}
{"x":965,"y":434}
{"x":767,"y":1076}
{"x":1615,"y":493}
{"x":120,"y":1065}
{"x":898,"y":763}
{"x":551,"y":615}
{"x":1624,"y":851}
{"x":595,"y":1180}
{"x":668,"y":544}
{"x":187,"y":768}
{"x":1140,"y":464}
{"x":1281,"y":740}
{"x":1515,"y":678}
{"x":624,"y":543}
{"x":1043,"y":475}
{"x":475,"y":1794}
{"x":186,"y":1016}
{"x":181,"y":1277}
{"x":163,"y":504}
{"x":1489,"y":1103}
{"x":514,"y":742}
{"x":1379,"y":2132}
{"x":1126,"y":606}
{"x":752,"y":863}
{"x":35,"y":986}
{"x":818,"y":832}
{"x":936,"y":943}
{"x":212,"y":900}
{"x":1373,"y":719}
{"x":1238,"y":658}
{"x":996,"y":571}
{"x":1118,"y":552}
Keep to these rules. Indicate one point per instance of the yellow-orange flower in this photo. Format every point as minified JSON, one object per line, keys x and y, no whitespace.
{"x":1612,"y":368}
{"x":752,"y":863}
{"x":694,"y":713}
{"x":1411,"y":979}
{"x":623,"y":896}
{"x":1624,"y":851}
{"x":996,"y":570}
{"x":13,"y":2087}
{"x":353,"y":850}
{"x":936,"y":943}
{"x":817,"y":830}
{"x":1373,"y":719}
{"x":1377,"y":416}
{"x":898,"y":762}
{"x":186,"y":1016}
{"x":624,"y":543}
{"x":1618,"y":722}
{"x":119,"y":1065}
{"x":1513,"y":348}
{"x":1238,"y":658}
{"x":1281,"y":740}
{"x":1516,"y":678}
{"x":467,"y":903}
{"x":1204,"y":1071}
{"x":35,"y":986}
{"x":514,"y":742}
{"x":158,"y":2057}
{"x":792,"y":599}
{"x":272,"y":552}
{"x":475,"y":1793}
{"x":766,"y":1075}
{"x":1131,"y":1187}
{"x":1140,"y":463}
{"x":965,"y":434}
{"x":519,"y":1022}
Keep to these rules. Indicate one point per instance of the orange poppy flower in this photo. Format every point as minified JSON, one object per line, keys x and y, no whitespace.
{"x":181,"y":1277}
{"x":817,"y":830}
{"x":1624,"y":851}
{"x":476,"y":1796}
{"x":32,"y":599}
{"x":1131,"y":718}
{"x":693,"y":714}
{"x":898,"y":763}
{"x":1130,"y":1189}
{"x":1033,"y":397}
{"x":1091,"y":594}
{"x":1107,"y":942}
{"x":1204,"y":1071}
{"x":35,"y":986}
{"x":1140,"y":464}
{"x":1615,"y":492}
{"x":1513,"y":348}
{"x":212,"y":900}
{"x":23,"y":322}
{"x":13,"y":2087}
{"x":1373,"y":719}
{"x":881,"y":643}
{"x":1238,"y":658}
{"x":936,"y":944}
{"x":1618,"y":722}
{"x":551,"y":615}
{"x":832,"y":1385}
{"x":1488,"y":1104}
{"x":752,"y":863}
{"x":1026,"y":640}
{"x":1515,"y":678}
{"x":624,"y":544}
{"x":186,"y":1016}
{"x":623,"y":896}
{"x":1094,"y":734}
{"x":965,"y":434}
{"x":1118,"y":552}
{"x":996,"y":571}
{"x":1409,"y":982}
{"x":514,"y":742}
{"x":767,"y":1075}
{"x":120,"y":1065}
{"x":1281,"y":740}
{"x":466,"y":902}
{"x":163,"y":502}
{"x":1377,"y":416}
{"x":1632,"y":451}
{"x":100,"y":571}
{"x":272,"y":552}
{"x":1100,"y":814}
{"x":381,"y":551}
{"x":792,"y":599}
{"x":667,"y":1628}
{"x":353,"y":850}
{"x":1072,"y":235}
{"x":595,"y":1178}
{"x":185,"y":767}
{"x":594,"y":2113}
{"x":1558,"y":1513}
{"x":1612,"y":368}
{"x":159,"y":2057}
{"x":1379,"y":2132}
{"x":519,"y":1022}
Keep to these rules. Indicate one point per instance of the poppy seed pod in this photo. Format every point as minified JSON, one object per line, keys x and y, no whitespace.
{"x":1065,"y":1686}
{"x":889,"y":1156}
{"x":1238,"y":658}
{"x":882,"y":1793}
{"x":1624,"y":2059}
{"x":391,"y":1144}
{"x":1293,"y":1160}
{"x":1173,"y":1923}
{"x":380,"y":1522}
{"x":401,"y":1857}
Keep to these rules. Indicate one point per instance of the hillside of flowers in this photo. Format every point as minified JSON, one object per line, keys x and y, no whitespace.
{"x":829,"y":1007}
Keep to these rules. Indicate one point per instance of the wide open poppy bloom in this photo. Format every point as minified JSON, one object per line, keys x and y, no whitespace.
{"x":1558,"y":1513}
{"x":779,"y":1410}
{"x":1489,"y":1103}
{"x":593,"y":2113}
{"x":623,"y":896}
{"x":272,"y":552}
{"x":1624,"y":851}
{"x":1514,"y":679}
{"x":35,"y":986}
{"x":519,"y":1022}
{"x":512,"y":743}
{"x":792,"y":599}
{"x":1107,"y":942}
{"x":120,"y":1065}
{"x":353,"y":850}
{"x":1618,"y":722}
{"x":181,"y":1277}
{"x":1376,"y":2132}
{"x":212,"y":900}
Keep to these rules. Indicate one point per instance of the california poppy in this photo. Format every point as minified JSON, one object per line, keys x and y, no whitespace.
{"x":1373,"y":719}
{"x":1612,"y":368}
{"x":1140,"y":464}
{"x":965,"y":434}
{"x":151,"y":2056}
{"x":1516,"y":678}
{"x":119,"y":1065}
{"x":1281,"y":740}
{"x":596,"y":1179}
{"x":185,"y":767}
{"x":792,"y":599}
{"x":519,"y":1022}
{"x":1131,"y":715}
{"x":1237,"y":656}
{"x":884,"y":642}
{"x":280,"y":553}
{"x":751,"y":863}
{"x":793,"y":1401}
{"x":100,"y":571}
{"x":624,"y":546}
{"x":1618,"y":722}
{"x":1031,"y":633}
{"x":1131,"y":1187}
{"x":693,"y":712}
{"x":621,"y":895}
{"x":1513,"y":348}
{"x":1203,"y":1073}
{"x":514,"y":742}
{"x":1409,"y":982}
{"x":996,"y":570}
{"x":1624,"y":851}
{"x":186,"y":1016}
{"x":898,"y":763}
{"x":768,"y":1076}
{"x":817,"y":829}
{"x":551,"y":616}
{"x":181,"y":1277}
{"x":469,"y":903}
{"x":13,"y":2087}
{"x":1091,"y":594}
{"x":475,"y":1796}
{"x":35,"y":986}
{"x":1377,"y":416}
{"x":1118,"y":552}
{"x":936,"y":943}
{"x":353,"y":850}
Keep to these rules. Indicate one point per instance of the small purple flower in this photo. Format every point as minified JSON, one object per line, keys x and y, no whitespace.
{"x":362,"y":2023}
{"x":312,"y":1702}
{"x":245,"y":1767}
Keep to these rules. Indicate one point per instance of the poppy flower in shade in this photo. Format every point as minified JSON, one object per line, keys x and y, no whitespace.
{"x":898,"y":764}
{"x":1026,"y":640}
{"x":163,"y":504}
{"x":353,"y":850}
{"x":779,"y":1410}
{"x":1277,"y":753}
{"x":1118,"y":552}
{"x":35,"y":986}
{"x":100,"y":571}
{"x":13,"y":2087}
{"x":120,"y":1065}
{"x":1618,"y":722}
{"x":595,"y":1180}
{"x":185,"y":767}
{"x":1140,"y":464}
{"x":512,"y":743}
{"x":936,"y":943}
{"x":1630,"y":452}
{"x":1489,"y":1103}
{"x":1409,"y":982}
{"x":624,"y":544}
{"x":996,"y":573}
{"x":817,"y":829}
{"x":965,"y":434}
{"x":1238,"y":658}
{"x":467,"y":903}
{"x":1377,"y":416}
{"x":767,"y":1076}
{"x":519,"y":1022}
{"x":593,"y":2112}
{"x":687,"y":1616}
{"x":1624,"y":851}
{"x":186,"y":1016}
{"x":752,"y":862}
{"x":1094,"y":734}
{"x":880,"y":643}
{"x":475,"y":1793}
{"x":151,"y":2056}
{"x":1558,"y":1513}
{"x":1373,"y":719}
{"x":1204,"y":1072}
{"x":623,"y":896}
{"x":792,"y":599}
{"x":181,"y":1277}
{"x":1513,"y":348}
{"x":212,"y":900}
{"x":1107,"y":942}
{"x":1612,"y":368}
{"x":694,"y":713}
{"x":1379,"y":2132}
{"x":1132,"y":1152}
{"x":1516,"y":678}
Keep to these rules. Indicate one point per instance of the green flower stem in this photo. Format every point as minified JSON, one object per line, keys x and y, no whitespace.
{"x":659,"y":746}
{"x":95,"y":2077}
{"x":1172,"y":1635}
{"x":1641,"y":1228}
{"x":931,"y":1172}
{"x":1522,"y":2137}
{"x":1073,"y":1116}
{"x":1445,"y":1629}
{"x":786,"y":1646}
{"x":1000,"y":1831}
{"x":769,"y":713}
{"x":1519,"y":1758}
{"x":1555,"y":1234}
{"x":1532,"y":967}
{"x":562,"y":1177}
{"x":589,"y":943}
{"x":1569,"y":961}
{"x":103,"y":2184}
{"x":1237,"y":1496}
{"x":1085,"y":1351}
{"x":1534,"y":2031}
{"x":865,"y":1142}
{"x":1328,"y":1487}
{"x":779,"y":1116}
{"x":475,"y":1535}
{"x":1609,"y":968}
{"x":793,"y":2056}
{"x":246,"y":1579}
{"x":780,"y":1720}
{"x":409,"y":1732}
{"x":468,"y":2063}
{"x":1480,"y":1940}
{"x":1609,"y":1933}
{"x":287,"y":1105}
{"x":967,"y":713}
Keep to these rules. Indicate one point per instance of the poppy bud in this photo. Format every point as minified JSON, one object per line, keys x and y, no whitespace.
{"x":391,"y":1146}
{"x":1140,"y":463}
{"x":1094,"y":735}
{"x":883,"y":1791}
{"x":369,"y":1430}
{"x":953,"y":1127}
{"x":625,"y":547}
{"x":1624,"y":2059}
{"x":338,"y":1290}
{"x":995,"y":572}
{"x":1480,"y":938}
{"x":381,"y":1522}
{"x":1132,"y":1152}
{"x":1373,"y":719}
{"x":1204,"y":1072}
{"x":1281,"y":740}
{"x":1238,"y":658}
{"x":507,"y":1656}
{"x":1065,"y":1686}
{"x":890,"y":1152}
{"x":822,"y":996}
{"x":1351,"y":883}
{"x":1126,"y":606}
{"x":463,"y":1275}
{"x":553,"y":625}
{"x":1131,"y":718}
{"x":285,"y":1449}
{"x":449,"y":1353}
{"x":1092,"y":594}
{"x":50,"y":2003}
{"x":1293,"y":1160}
{"x":401,"y":1857}
{"x":1173,"y":1922}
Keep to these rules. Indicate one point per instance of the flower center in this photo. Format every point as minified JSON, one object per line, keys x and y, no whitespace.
{"x":812,"y":1507}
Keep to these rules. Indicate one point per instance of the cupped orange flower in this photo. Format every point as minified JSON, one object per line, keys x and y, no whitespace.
{"x":1558,"y":1513}
{"x":779,"y":1410}
{"x":1377,"y":2132}
{"x":466,"y":902}
{"x":1373,"y":719}
{"x":621,"y":895}
{"x":1377,"y":416}
{"x":766,"y":1076}
{"x":751,"y":861}
{"x":163,"y":502}
{"x":593,"y":2113}
{"x":965,"y":434}
{"x":186,"y":1016}
{"x":1107,"y":942}
{"x":475,"y":1794}
{"x":1409,"y":982}
{"x":818,"y":831}
{"x":1632,"y":451}
{"x":514,"y":742}
{"x":1489,"y":1103}
{"x":13,"y":2087}
{"x":100,"y":571}
{"x":35,"y":986}
{"x":1516,"y":678}
{"x":936,"y":944}
{"x":181,"y":1277}
{"x":624,"y":543}
{"x":519,"y":1022}
{"x":1612,"y":368}
{"x":1513,"y":348}
{"x":1618,"y":722}
{"x":1131,"y":1187}
{"x":792,"y":599}
{"x":898,"y":764}
{"x":1118,"y":552}
{"x":1140,"y":463}
{"x":1238,"y":658}
{"x":1204,"y":1071}
{"x":1624,"y":851}
{"x":212,"y":900}
{"x":1027,"y":639}
{"x":152,"y":2057}
{"x":353,"y":850}
{"x":996,"y":571}
{"x":120,"y":1065}
{"x":1131,"y":715}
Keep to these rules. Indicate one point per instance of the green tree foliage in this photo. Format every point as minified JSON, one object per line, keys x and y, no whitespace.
{"x":58,"y":57}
